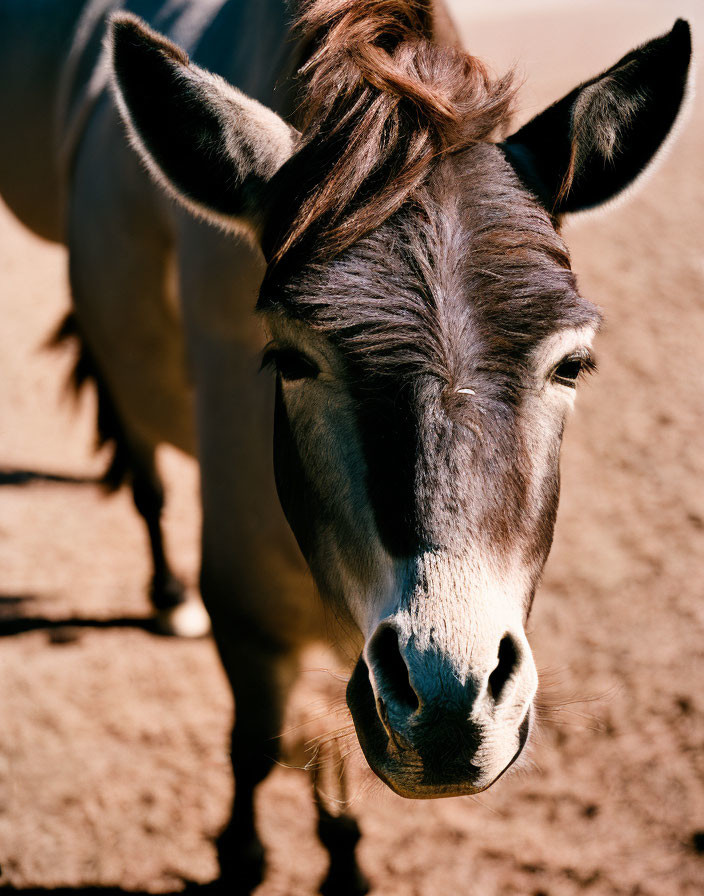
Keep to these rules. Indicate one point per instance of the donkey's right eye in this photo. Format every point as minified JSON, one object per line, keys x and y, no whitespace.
{"x":569,"y":370}
{"x":290,"y":364}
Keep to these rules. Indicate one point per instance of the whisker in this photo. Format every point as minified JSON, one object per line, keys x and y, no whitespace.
{"x":337,"y":676}
{"x":474,"y":797}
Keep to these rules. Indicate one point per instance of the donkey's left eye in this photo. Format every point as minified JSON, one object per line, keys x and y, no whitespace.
{"x":570,"y":368}
{"x":290,"y":364}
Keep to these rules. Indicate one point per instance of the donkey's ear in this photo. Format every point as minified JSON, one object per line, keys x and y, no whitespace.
{"x":586,"y":148}
{"x":212,"y":147}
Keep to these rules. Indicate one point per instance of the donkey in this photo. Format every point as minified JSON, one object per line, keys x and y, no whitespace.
{"x":414,"y":304}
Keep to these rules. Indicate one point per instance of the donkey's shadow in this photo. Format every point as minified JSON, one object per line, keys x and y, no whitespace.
{"x":62,"y":631}
{"x":12,"y":476}
{"x":190,"y":889}
{"x":14,"y":622}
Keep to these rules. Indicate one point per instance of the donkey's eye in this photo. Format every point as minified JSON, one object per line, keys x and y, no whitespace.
{"x":570,"y":368}
{"x":290,"y":364}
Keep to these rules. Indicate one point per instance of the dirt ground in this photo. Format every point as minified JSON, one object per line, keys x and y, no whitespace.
{"x":113,"y":763}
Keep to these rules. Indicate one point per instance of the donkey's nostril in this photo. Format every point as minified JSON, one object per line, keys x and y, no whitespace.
{"x":508,"y":660}
{"x":390,"y":669}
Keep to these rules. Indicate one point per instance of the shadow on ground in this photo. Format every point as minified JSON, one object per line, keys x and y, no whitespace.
{"x":189,"y":889}
{"x":61,"y":631}
{"x":10,"y":476}
{"x":65,"y":630}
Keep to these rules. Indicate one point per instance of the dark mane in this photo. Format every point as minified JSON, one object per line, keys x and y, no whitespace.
{"x":380,"y":102}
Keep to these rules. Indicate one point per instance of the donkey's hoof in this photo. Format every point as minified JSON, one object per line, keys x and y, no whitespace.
{"x":186,"y":620}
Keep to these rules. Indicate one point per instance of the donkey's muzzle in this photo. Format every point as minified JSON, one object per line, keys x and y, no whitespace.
{"x":428,"y":732}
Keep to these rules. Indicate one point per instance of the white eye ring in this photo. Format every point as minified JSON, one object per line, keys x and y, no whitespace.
{"x":466,"y":392}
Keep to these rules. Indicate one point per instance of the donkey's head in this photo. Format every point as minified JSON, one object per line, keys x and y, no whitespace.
{"x":427,"y":337}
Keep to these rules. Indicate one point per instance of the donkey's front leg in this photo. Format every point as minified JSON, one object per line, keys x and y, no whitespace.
{"x":260,"y":675}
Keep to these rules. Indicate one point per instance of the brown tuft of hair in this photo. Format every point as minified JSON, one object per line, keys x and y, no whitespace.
{"x":85,"y":370}
{"x":381,"y":101}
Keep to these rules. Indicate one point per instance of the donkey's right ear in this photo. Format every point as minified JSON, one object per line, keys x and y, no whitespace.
{"x":209,"y":145}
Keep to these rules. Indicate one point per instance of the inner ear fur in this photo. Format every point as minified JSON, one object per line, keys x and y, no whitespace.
{"x":593,"y":143}
{"x":208,"y":144}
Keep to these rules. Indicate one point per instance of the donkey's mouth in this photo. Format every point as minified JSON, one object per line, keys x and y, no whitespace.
{"x":421,"y":773}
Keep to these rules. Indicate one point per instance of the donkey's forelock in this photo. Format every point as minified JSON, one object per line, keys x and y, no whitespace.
{"x":461,"y":284}
{"x":381,"y":100}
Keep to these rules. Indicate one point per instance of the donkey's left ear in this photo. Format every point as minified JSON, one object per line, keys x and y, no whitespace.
{"x":590,"y":145}
{"x":213,"y":148}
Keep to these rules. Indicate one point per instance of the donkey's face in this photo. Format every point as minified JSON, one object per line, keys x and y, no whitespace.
{"x":423,"y":378}
{"x":423,"y":382}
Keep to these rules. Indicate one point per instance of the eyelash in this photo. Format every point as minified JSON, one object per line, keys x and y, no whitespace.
{"x":586,"y":365}
{"x":290,"y":364}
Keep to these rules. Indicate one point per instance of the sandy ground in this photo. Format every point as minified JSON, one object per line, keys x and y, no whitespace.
{"x":112,"y":741}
